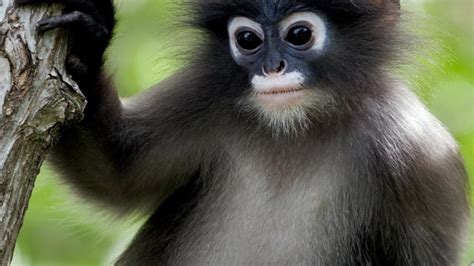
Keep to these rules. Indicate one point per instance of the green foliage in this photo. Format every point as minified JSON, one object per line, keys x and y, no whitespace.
{"x":60,"y":230}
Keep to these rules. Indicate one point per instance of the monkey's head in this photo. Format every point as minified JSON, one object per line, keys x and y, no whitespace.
{"x":298,"y":59}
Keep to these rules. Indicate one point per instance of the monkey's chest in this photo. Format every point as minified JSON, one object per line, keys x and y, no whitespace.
{"x":255,"y":218}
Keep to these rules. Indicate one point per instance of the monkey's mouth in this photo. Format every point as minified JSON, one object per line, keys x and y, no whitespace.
{"x":281,"y":96}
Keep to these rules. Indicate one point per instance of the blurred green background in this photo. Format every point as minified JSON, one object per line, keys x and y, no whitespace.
{"x":60,"y":229}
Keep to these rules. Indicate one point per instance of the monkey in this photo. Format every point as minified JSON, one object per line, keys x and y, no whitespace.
{"x":286,"y":139}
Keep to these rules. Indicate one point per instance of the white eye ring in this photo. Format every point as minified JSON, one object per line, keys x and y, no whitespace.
{"x":311,"y":20}
{"x":236,"y":25}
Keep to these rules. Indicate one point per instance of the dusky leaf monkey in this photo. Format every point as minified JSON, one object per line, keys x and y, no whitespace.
{"x":285,"y":140}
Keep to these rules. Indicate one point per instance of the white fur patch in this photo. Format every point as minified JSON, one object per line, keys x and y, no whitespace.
{"x":292,"y":118}
{"x":267,"y":83}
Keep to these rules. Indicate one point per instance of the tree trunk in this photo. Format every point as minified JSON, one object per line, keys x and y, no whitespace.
{"x":36,"y":98}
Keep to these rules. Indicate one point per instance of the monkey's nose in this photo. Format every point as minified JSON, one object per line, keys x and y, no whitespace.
{"x":275,"y":68}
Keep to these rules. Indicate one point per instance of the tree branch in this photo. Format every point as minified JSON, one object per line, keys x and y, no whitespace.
{"x":36,"y":98}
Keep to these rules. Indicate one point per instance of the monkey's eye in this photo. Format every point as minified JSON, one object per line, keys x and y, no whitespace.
{"x":300,"y":37}
{"x":248,"y":40}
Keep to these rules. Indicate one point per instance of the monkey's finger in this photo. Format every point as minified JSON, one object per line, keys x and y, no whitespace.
{"x":61,"y":21}
{"x":55,"y":22}
{"x":76,"y":67}
{"x":86,"y":22}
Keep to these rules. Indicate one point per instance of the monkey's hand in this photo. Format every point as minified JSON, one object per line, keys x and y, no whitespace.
{"x":91,"y":23}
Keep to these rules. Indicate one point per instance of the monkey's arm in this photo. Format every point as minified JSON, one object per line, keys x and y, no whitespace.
{"x":122,"y":155}
{"x":423,"y":213}
{"x":421,"y":199}
{"x":134,"y":153}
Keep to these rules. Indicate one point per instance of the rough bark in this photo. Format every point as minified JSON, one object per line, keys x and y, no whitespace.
{"x":36,"y":98}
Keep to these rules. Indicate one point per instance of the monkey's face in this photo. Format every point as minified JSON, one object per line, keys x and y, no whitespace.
{"x":295,"y":61}
{"x":278,"y":58}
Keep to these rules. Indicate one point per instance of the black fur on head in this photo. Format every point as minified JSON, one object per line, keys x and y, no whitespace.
{"x":365,"y":36}
{"x":214,"y":14}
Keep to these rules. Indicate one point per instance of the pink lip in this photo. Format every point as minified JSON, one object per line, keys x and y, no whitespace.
{"x":281,"y":96}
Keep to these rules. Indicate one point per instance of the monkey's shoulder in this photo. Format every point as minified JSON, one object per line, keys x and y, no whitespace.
{"x":405,"y":136}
